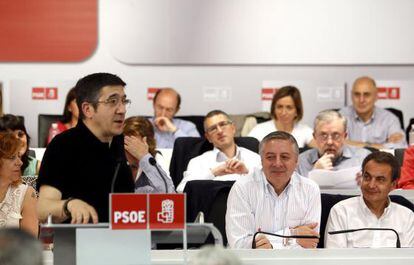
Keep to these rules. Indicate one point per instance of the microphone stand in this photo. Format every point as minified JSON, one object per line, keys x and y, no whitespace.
{"x":397,"y":243}
{"x":153,"y":162}
{"x":282,"y":236}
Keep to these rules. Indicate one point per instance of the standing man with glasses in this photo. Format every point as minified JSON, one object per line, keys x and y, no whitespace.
{"x":79,"y":168}
{"x":226,"y":161}
{"x":331,"y":153}
{"x":167,"y":128}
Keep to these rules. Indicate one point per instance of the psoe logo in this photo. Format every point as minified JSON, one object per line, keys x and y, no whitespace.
{"x":166,"y":216}
{"x":129,"y":217}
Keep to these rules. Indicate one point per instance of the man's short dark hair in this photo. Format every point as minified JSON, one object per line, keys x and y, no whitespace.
{"x":214,"y":113}
{"x":167,"y":88}
{"x":88,"y":88}
{"x":381,"y":157}
{"x":279,"y":135}
{"x":19,"y":248}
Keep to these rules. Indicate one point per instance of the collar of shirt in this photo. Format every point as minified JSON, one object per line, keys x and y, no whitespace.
{"x":268,"y":188}
{"x":357,"y":118}
{"x":221,"y":157}
{"x":368,"y":212}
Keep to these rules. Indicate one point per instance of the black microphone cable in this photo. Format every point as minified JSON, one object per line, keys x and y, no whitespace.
{"x":397,"y":243}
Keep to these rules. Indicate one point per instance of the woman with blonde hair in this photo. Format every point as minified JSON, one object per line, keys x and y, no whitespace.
{"x":142,"y":157}
{"x":17,"y":200}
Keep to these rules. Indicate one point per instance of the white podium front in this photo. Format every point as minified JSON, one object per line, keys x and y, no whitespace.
{"x":387,"y":256}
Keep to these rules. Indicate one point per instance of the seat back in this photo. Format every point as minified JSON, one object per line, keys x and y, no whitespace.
{"x":197,"y":120}
{"x":186,"y":148}
{"x":399,"y":115}
{"x":407,"y":131}
{"x":44,"y":122}
{"x":329,"y":200}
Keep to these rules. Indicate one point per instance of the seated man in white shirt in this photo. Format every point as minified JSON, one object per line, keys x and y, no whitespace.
{"x":274,"y":199}
{"x":380,"y":172}
{"x":226,"y":161}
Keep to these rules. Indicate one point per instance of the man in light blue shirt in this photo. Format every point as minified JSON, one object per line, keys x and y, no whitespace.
{"x":369,"y":125}
{"x":166,"y":104}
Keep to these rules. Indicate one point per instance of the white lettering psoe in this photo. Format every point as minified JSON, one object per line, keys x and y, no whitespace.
{"x":129,"y":217}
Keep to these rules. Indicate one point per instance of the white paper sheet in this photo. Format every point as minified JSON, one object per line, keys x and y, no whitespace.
{"x":338,"y":179}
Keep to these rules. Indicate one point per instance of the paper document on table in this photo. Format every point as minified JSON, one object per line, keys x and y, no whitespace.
{"x":338,"y":179}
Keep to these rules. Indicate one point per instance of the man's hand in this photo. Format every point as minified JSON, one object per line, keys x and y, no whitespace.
{"x":263,"y":242}
{"x":136,"y":146}
{"x":236,"y":166}
{"x":231,"y":166}
{"x":82,"y":212}
{"x":164,"y":124}
{"x":325,"y":162}
{"x":307,"y":229}
{"x":395,"y":137}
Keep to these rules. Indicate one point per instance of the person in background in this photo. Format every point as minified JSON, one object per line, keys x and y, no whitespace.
{"x":374,"y":209}
{"x":69,"y":119}
{"x":17,"y":200}
{"x":369,"y":125}
{"x":19,"y":248}
{"x":274,"y":199}
{"x":406,"y":181}
{"x":287,"y":111}
{"x":226,"y":161}
{"x":14,"y":124}
{"x":331,"y":153}
{"x":140,"y":152}
{"x":167,"y":128}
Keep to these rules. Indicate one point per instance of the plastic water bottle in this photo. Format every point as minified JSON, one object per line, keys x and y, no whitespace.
{"x":53,"y":131}
{"x":411,"y":135}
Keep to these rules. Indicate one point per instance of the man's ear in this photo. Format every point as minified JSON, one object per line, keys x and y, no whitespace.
{"x":88,"y":110}
{"x":207,"y":137}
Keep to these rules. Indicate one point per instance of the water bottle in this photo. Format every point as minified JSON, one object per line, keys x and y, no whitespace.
{"x":53,"y":131}
{"x":411,"y":135}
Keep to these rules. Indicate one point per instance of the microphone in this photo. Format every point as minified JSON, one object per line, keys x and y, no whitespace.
{"x":115,"y":176}
{"x":153,"y":162}
{"x":282,"y":236}
{"x":397,"y":243}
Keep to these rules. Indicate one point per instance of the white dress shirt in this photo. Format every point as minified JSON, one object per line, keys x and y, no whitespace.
{"x":199,"y":168}
{"x":353,"y":213}
{"x":253,"y":204}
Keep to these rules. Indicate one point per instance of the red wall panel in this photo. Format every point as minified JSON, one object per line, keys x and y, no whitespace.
{"x":48,"y":30}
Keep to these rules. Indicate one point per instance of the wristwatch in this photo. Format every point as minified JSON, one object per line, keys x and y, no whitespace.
{"x":65,"y":207}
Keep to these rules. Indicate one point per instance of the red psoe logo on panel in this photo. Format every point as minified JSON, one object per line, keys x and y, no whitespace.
{"x":128,"y":211}
{"x":38,"y":93}
{"x":382,"y":93}
{"x":151,"y":92}
{"x":267,"y":93}
{"x":394,"y":93}
{"x":51,"y":93}
{"x":167,"y":211}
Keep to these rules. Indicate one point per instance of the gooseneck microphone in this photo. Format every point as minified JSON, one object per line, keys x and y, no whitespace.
{"x":282,"y":236}
{"x":115,"y":176}
{"x":397,"y":243}
{"x":153,"y":162}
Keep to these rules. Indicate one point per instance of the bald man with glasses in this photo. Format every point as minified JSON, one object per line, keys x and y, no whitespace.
{"x":226,"y":161}
{"x":331,"y":153}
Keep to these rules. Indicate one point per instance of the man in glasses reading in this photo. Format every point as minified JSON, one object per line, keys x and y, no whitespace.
{"x":226,"y":161}
{"x":81,"y":166}
{"x":331,"y":153}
